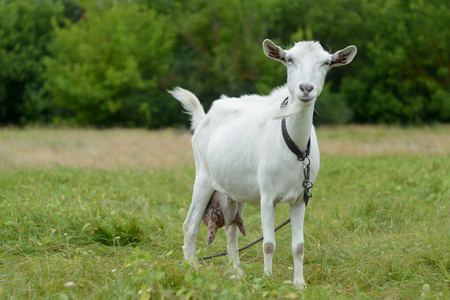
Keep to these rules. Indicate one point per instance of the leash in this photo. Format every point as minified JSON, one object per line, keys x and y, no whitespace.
{"x":247,"y":246}
{"x":302,"y":156}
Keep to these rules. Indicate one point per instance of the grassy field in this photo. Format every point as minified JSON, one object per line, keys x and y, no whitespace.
{"x":97,"y":214}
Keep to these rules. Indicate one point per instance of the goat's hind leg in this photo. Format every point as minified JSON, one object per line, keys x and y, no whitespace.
{"x":200,"y":197}
{"x":233,"y":248}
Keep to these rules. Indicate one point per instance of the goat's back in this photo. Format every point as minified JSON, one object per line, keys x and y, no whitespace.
{"x":248,"y":108}
{"x":233,"y":139}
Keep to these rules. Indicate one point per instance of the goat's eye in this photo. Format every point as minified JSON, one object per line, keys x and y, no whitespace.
{"x":326,"y":64}
{"x":289,"y":60}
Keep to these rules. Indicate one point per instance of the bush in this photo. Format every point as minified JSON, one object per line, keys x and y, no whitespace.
{"x":25,"y":30}
{"x":101,"y":62}
{"x":332,"y":108}
{"x":400,"y":74}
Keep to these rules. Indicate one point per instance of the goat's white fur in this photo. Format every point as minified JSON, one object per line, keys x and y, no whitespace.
{"x":239,"y":149}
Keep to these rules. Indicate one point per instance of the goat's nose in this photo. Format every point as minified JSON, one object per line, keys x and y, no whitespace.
{"x":306,"y":88}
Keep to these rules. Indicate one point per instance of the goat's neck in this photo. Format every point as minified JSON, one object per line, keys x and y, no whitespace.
{"x":299,"y":126}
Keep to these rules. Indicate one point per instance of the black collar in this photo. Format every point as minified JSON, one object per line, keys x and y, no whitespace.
{"x":292,"y":145}
{"x":289,"y":142}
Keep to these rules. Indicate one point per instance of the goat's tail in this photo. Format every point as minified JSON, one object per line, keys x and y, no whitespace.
{"x":191,"y":105}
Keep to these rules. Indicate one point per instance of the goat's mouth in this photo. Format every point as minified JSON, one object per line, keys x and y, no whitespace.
{"x":306,"y":100}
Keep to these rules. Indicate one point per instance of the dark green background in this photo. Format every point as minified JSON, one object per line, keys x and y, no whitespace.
{"x":109,"y":63}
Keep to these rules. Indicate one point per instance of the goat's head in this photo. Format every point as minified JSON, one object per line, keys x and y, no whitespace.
{"x":307,"y":64}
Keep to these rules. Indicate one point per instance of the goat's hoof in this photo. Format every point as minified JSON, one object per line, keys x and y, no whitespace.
{"x":267,"y":274}
{"x":191,"y":264}
{"x":300,"y":284}
{"x":238,"y":274}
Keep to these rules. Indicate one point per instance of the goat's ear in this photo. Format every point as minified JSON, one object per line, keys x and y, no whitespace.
{"x":343,"y":57}
{"x":273,"y":51}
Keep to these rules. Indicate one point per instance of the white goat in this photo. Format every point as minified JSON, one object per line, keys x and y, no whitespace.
{"x":239,"y":149}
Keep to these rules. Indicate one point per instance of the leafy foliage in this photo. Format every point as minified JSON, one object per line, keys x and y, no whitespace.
{"x":100,"y":67}
{"x":111,"y":62}
{"x":25,"y":27}
{"x":405,"y":76}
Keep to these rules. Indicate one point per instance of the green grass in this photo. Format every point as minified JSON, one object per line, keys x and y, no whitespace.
{"x":376,"y":227}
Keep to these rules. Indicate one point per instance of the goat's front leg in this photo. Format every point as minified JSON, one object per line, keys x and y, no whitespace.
{"x":268,"y":226}
{"x":200,"y":197}
{"x":297,"y":218}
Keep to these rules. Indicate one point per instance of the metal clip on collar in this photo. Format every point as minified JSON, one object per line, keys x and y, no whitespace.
{"x":307,"y":184}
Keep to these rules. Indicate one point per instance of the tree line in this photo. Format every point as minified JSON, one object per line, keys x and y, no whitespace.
{"x":109,"y":62}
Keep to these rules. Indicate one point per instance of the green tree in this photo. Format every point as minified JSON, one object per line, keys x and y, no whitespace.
{"x":25,"y":30}
{"x":401,"y":72}
{"x":220,"y":48}
{"x":110,"y":62}
{"x":106,"y":68}
{"x":408,"y":72}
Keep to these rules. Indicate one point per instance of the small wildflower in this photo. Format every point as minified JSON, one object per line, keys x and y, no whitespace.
{"x":69,"y":284}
